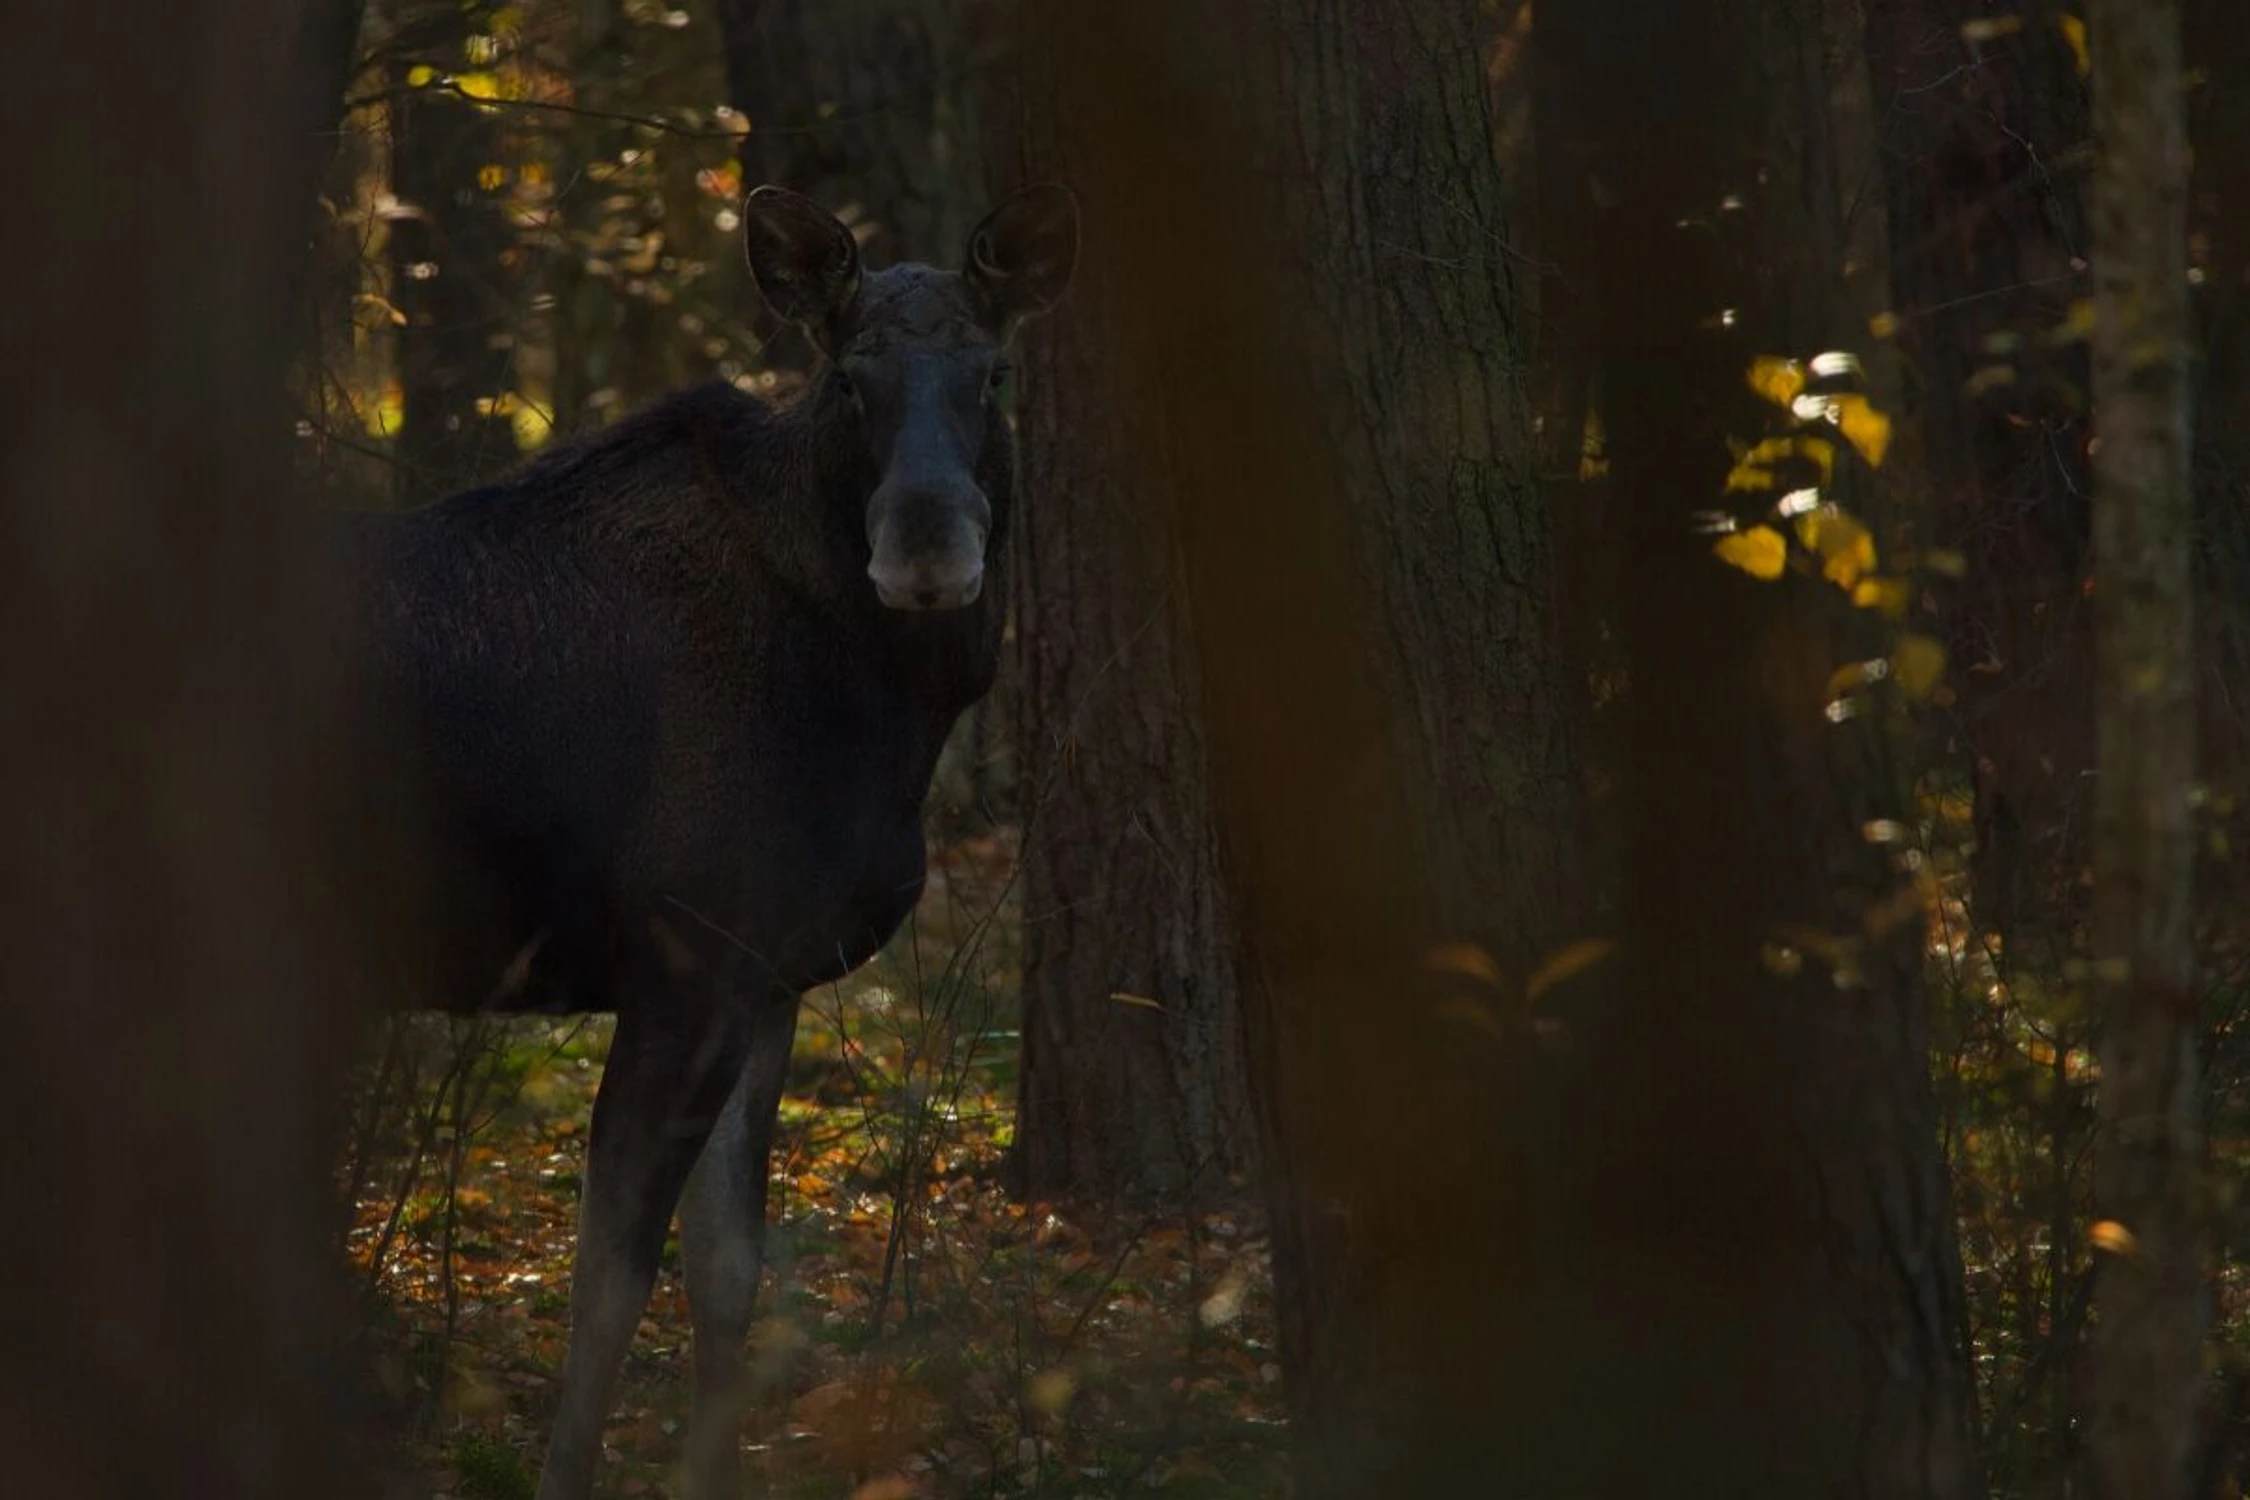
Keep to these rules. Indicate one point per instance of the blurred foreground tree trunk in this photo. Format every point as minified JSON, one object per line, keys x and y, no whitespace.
{"x":1761,"y":1266}
{"x":2144,"y":1371}
{"x":1398,"y":1107}
{"x":449,"y":272}
{"x":169,"y":1326}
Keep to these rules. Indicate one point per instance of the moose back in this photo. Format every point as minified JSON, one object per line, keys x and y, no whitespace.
{"x":657,"y":716}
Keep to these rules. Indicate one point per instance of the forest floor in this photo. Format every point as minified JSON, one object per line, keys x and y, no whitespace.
{"x":923,"y":1333}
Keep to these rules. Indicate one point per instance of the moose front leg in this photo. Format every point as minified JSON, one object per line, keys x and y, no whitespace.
{"x":671,"y":1068}
{"x":722,"y":1240}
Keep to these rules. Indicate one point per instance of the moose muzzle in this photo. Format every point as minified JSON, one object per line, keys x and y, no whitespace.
{"x":929,"y":547}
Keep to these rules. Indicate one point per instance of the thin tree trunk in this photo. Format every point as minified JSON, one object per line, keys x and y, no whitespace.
{"x":171,"y":1319}
{"x":2143,"y":1377}
{"x":447,"y":273}
{"x":1982,"y":135}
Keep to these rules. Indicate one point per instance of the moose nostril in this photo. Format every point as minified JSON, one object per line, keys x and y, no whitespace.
{"x":927,"y":598}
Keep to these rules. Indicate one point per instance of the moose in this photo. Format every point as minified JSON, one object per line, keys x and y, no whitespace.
{"x":659,"y":715}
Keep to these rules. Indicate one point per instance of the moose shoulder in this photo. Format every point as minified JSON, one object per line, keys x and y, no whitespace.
{"x":661,"y":711}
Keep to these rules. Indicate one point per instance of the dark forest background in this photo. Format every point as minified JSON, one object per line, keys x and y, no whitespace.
{"x":1609,"y":859}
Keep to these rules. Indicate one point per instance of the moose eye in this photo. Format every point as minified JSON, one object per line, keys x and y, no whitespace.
{"x":847,"y":387}
{"x":996,"y":383}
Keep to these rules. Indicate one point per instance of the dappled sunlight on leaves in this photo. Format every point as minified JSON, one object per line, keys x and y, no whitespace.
{"x":923,"y":1333}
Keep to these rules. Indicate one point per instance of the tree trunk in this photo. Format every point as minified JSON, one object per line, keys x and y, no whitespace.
{"x":1397,"y":1106}
{"x":172,"y":1322}
{"x":447,"y":272}
{"x":868,"y":107}
{"x":1398,"y":210}
{"x":1753,"y":1198}
{"x":1133,"y":1079}
{"x":2143,"y":1374}
{"x":1982,"y":135}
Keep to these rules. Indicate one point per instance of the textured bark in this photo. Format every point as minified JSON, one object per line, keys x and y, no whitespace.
{"x":447,"y":275}
{"x":169,"y":1326}
{"x":1391,"y":185}
{"x":1386,"y":178}
{"x":1323,"y":460}
{"x":2143,"y":1378}
{"x":1122,"y":897}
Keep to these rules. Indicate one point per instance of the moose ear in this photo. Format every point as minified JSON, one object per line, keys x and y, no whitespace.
{"x":1020,"y":258}
{"x":806,"y":263}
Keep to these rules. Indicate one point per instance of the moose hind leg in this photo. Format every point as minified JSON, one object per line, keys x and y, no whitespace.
{"x":722,"y":1240}
{"x":665,"y":1085}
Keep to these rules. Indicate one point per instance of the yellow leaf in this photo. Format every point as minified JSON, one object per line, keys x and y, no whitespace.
{"x":1778,"y":380}
{"x":1754,"y":469}
{"x":1990,"y":28}
{"x":1593,"y":448}
{"x":2074,"y":32}
{"x":1846,"y":677}
{"x":532,"y":423}
{"x":1890,"y":596}
{"x":384,"y":306}
{"x":421,"y":75}
{"x":2077,"y":325}
{"x":1821,"y":452}
{"x":477,"y":85}
{"x":1845,"y":547}
{"x":492,"y":176}
{"x":1761,"y":552}
{"x":1865,"y":428}
{"x":2114,"y":1237}
{"x":1883,"y":325}
{"x":1918,"y":666}
{"x":1049,"y":1392}
{"x":1945,"y":562}
{"x":1991,"y":377}
{"x":1465,"y":959}
{"x":1567,"y":963}
{"x":386,"y":415}
{"x":1142,"y":1001}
